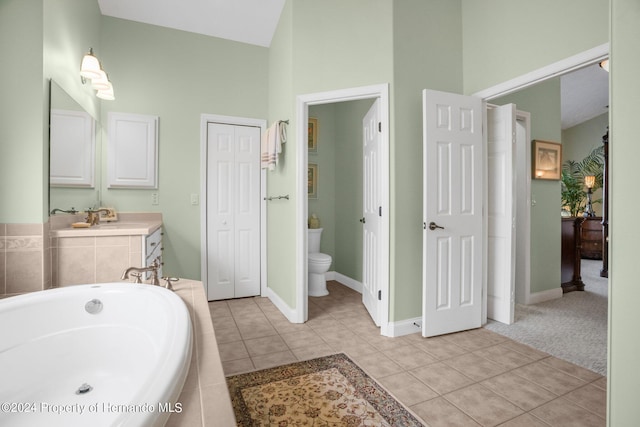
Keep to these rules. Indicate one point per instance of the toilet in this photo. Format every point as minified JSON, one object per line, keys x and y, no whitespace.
{"x":318,"y":265}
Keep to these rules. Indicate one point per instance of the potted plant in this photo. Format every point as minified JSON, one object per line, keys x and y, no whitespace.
{"x":572,"y":180}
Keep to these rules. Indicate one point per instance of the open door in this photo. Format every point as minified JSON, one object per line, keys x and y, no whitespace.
{"x":452,"y":206}
{"x":372,"y":215}
{"x":501,"y":245}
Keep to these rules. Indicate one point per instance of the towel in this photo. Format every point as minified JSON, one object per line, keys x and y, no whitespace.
{"x":271,"y":145}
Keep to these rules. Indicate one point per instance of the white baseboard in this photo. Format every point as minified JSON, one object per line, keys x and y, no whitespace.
{"x":290,"y":313}
{"x":543,"y":296}
{"x":345,"y":280}
{"x":405,"y":327}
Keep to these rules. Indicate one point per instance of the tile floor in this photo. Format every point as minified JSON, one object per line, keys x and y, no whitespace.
{"x":472,"y":378}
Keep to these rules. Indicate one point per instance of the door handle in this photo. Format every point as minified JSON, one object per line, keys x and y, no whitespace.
{"x":362,"y":220}
{"x":433,"y":226}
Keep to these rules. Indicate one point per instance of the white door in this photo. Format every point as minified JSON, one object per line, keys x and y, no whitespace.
{"x":501,"y":137}
{"x":372,"y":211}
{"x":233,"y":211}
{"x":453,"y":223}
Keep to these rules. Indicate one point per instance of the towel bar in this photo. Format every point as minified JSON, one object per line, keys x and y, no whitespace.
{"x":277,"y":197}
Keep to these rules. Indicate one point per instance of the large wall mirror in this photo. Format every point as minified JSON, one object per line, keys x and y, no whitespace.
{"x":74,"y":154}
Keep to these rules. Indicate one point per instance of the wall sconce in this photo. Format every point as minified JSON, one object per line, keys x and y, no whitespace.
{"x":604,"y":64}
{"x":589,"y":181}
{"x":90,"y":69}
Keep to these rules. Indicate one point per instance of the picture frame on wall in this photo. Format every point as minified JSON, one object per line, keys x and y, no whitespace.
{"x":313,"y":135}
{"x":312,"y":181}
{"x":547,"y":160}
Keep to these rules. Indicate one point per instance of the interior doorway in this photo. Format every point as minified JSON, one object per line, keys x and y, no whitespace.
{"x":524,"y":293}
{"x":381,"y":94}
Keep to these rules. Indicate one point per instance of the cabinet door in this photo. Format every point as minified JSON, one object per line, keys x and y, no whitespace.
{"x":72,"y":143}
{"x":132,"y":151}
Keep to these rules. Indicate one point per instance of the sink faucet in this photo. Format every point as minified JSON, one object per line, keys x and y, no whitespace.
{"x":70,"y":211}
{"x":93,"y":217}
{"x":153,"y":268}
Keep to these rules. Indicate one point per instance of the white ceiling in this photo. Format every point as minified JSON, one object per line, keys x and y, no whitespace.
{"x":246,"y":21}
{"x":584,"y":95}
{"x":585,"y":92}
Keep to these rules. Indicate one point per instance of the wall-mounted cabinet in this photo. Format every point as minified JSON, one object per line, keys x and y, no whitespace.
{"x":132,"y":151}
{"x":72,"y":145}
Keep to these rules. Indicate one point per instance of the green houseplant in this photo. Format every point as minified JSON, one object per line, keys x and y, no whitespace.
{"x":574,"y":197}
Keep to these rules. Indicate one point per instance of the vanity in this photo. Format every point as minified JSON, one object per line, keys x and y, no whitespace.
{"x":100,"y":253}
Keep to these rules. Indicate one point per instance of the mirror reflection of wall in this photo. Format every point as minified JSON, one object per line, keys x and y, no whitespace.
{"x":75,"y":166}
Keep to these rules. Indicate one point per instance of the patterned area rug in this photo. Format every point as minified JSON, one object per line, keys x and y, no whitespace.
{"x":328,"y":391}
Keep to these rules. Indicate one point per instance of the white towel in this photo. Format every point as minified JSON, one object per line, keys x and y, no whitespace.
{"x":271,"y":145}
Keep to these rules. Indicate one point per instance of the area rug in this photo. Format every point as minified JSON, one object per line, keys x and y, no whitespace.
{"x":327,"y":391}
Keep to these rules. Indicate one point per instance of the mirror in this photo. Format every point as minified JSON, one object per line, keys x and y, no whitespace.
{"x":74,"y":160}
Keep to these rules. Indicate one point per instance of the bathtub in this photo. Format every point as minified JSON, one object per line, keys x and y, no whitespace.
{"x":113,"y":354}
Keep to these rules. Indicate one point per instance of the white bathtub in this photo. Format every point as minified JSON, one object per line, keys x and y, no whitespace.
{"x":133,"y":354}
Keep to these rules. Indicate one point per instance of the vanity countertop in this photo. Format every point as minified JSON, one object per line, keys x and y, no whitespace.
{"x":128,"y":224}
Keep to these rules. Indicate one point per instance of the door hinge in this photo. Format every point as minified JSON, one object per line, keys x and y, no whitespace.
{"x":379,"y":126}
{"x":379,"y":210}
{"x":380,"y":295}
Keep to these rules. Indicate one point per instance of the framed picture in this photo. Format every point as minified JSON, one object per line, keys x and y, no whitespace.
{"x":313,"y":135}
{"x":312,"y":181}
{"x":547,"y":160}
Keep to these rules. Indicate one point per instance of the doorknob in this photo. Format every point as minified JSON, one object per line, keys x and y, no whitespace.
{"x":433,"y":226}
{"x":362,"y":220}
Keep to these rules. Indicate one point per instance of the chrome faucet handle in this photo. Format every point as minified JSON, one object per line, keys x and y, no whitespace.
{"x":168,"y":281}
{"x":138,"y":276}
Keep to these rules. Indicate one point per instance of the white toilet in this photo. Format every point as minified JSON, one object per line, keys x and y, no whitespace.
{"x":318,"y":265}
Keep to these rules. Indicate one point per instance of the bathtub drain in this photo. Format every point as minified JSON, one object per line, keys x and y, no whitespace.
{"x":94,"y":306}
{"x":84,"y":389}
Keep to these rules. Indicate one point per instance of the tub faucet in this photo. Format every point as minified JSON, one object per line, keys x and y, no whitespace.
{"x":153,"y":268}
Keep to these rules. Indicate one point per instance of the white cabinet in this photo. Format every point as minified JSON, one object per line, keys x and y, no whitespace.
{"x":95,"y":255}
{"x":72,"y":146}
{"x":132,"y":154}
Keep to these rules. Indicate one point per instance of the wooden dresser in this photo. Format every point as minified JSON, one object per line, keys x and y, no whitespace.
{"x":592,"y":238}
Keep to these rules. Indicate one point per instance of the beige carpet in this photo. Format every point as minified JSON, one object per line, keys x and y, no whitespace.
{"x":327,"y":391}
{"x":572,"y":328}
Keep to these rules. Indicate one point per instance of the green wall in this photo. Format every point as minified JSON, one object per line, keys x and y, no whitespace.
{"x":281,"y":229}
{"x":623,"y":382}
{"x":318,"y":46}
{"x":71,"y":27}
{"x":325,"y":205}
{"x":543,"y":102}
{"x":504,"y":39}
{"x":578,"y":141}
{"x":427,"y":48}
{"x":23,"y":113}
{"x":178,"y":76}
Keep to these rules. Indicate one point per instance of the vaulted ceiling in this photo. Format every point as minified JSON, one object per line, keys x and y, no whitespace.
{"x":585,"y":92}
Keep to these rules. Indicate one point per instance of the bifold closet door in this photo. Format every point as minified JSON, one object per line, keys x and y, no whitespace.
{"x":233,"y":211}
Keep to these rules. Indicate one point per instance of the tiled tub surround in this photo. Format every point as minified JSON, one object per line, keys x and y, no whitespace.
{"x":24,"y":258}
{"x":205,"y":398}
{"x":100,"y":253}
